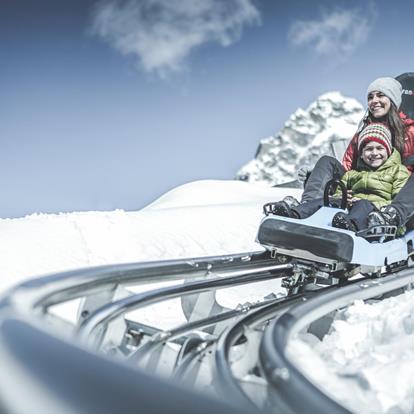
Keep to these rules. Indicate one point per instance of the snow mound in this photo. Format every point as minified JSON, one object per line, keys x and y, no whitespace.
{"x":175,"y":226}
{"x":217,"y":192}
{"x":366,"y":361}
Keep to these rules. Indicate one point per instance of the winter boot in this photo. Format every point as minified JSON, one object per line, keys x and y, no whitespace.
{"x":342,"y":221}
{"x":291,"y":201}
{"x":280,"y":208}
{"x":387,"y":216}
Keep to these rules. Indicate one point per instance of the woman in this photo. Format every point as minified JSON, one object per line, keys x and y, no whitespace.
{"x":384,"y":100}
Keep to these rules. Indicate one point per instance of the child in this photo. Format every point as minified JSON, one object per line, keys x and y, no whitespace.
{"x":377,"y":178}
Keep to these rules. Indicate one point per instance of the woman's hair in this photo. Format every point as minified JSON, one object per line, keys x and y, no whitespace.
{"x":395,"y":124}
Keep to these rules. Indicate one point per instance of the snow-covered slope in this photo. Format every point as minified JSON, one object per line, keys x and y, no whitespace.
{"x":223,"y":220}
{"x":202,"y":218}
{"x":331,"y":120}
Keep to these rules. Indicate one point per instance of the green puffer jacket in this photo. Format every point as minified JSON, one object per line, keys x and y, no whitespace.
{"x":379,"y":186}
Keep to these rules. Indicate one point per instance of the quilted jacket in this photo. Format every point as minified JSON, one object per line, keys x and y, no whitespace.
{"x":381,"y":185}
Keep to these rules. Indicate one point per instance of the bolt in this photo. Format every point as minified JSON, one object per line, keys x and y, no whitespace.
{"x":282,"y":259}
{"x":243,"y":308}
{"x":280,"y":374}
{"x":202,"y":346}
{"x":161,"y":336}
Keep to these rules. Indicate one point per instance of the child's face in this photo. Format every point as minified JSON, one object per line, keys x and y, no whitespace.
{"x":374,"y":154}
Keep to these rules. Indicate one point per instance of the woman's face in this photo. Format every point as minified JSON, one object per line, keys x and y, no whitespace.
{"x":378,"y":104}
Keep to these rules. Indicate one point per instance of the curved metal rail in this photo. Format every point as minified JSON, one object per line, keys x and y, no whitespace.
{"x":225,"y":381}
{"x":38,"y":295}
{"x":115,"y":309}
{"x":23,"y":310}
{"x":47,"y":374}
{"x":159,"y":338}
{"x":283,"y":376}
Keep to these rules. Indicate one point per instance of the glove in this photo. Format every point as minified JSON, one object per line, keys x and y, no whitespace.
{"x":303,"y":174}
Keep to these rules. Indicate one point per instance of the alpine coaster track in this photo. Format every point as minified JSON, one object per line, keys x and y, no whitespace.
{"x":221,"y":360}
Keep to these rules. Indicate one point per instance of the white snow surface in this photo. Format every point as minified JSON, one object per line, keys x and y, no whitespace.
{"x":202,"y":218}
{"x":367,"y":360}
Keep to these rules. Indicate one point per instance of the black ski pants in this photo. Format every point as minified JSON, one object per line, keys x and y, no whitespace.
{"x":325,"y":169}
{"x":358,"y":213}
{"x":328,"y":167}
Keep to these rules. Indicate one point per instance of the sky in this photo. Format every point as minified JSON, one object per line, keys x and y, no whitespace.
{"x":109,"y":104}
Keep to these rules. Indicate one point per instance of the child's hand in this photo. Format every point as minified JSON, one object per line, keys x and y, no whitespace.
{"x":350,"y":199}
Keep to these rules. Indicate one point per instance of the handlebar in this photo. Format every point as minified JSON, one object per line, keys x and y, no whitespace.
{"x":333,"y":184}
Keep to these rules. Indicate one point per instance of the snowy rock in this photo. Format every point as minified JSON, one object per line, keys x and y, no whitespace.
{"x":325,"y":127}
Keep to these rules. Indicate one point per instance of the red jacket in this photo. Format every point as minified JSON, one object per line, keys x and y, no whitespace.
{"x":351,"y":154}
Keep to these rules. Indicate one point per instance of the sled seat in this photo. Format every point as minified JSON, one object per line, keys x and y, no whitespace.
{"x":321,"y":242}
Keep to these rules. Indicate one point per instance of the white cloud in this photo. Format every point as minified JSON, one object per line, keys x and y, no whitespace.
{"x":162,"y":33}
{"x":337,"y":34}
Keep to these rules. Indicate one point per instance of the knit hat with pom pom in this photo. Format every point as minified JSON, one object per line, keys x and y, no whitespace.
{"x":377,"y":132}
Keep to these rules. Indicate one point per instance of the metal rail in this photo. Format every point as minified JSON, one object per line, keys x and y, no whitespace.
{"x":47,"y":374}
{"x":39,"y":294}
{"x":51,"y":376}
{"x":22,"y":312}
{"x":160,"y":337}
{"x":23,"y":309}
{"x":225,"y":381}
{"x":284,"y":377}
{"x":113,"y":310}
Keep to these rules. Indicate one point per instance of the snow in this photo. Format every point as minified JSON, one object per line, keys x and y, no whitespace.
{"x":365,"y":362}
{"x":223,"y":220}
{"x":202,"y":218}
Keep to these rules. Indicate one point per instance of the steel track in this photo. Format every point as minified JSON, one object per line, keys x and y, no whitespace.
{"x":235,"y":354}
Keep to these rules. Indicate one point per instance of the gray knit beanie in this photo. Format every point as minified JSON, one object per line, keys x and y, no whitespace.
{"x":389,"y":87}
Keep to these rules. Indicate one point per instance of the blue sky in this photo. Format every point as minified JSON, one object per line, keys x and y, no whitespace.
{"x":110,"y":104}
